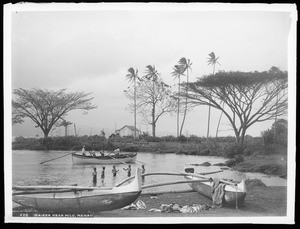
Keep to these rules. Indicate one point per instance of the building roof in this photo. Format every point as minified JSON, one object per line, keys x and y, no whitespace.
{"x":132,"y":128}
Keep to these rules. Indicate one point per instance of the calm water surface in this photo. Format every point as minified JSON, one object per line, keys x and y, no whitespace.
{"x":26,"y":170}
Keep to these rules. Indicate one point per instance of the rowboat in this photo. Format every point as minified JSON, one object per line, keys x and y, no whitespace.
{"x":234,"y":193}
{"x":79,"y":158}
{"x":78,"y":199}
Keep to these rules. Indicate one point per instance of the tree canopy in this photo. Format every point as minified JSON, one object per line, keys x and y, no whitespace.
{"x":248,"y":97}
{"x":46,"y":107}
{"x":152,"y":98}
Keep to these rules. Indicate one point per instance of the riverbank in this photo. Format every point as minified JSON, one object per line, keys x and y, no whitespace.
{"x":253,"y":156}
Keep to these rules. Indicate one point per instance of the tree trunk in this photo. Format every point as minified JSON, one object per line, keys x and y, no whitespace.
{"x":153,"y":130}
{"x":208,"y":122}
{"x":46,"y":133}
{"x":178,"y":108}
{"x":185,"y":109}
{"x":135,"y":109}
{"x":217,"y":131}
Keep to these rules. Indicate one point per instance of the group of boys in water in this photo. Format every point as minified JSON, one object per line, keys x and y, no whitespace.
{"x":114,"y":170}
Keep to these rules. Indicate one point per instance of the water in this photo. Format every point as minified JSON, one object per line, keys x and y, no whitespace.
{"x":28,"y":171}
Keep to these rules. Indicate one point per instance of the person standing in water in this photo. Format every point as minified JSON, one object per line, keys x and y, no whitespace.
{"x":103,"y":173}
{"x":143,"y":171}
{"x":114,"y":171}
{"x":128,"y":170}
{"x":94,"y":174}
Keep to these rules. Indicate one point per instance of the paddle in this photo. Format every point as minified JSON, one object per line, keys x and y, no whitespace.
{"x":137,"y":160}
{"x":118,"y":160}
{"x":55,"y":158}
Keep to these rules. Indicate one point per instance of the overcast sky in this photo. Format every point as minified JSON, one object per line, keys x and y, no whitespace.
{"x":91,"y":51}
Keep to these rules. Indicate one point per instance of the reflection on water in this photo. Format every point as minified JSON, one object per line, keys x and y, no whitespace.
{"x":27,"y":170}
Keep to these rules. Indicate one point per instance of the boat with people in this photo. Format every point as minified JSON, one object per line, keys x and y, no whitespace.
{"x":78,"y":199}
{"x":232,"y":194}
{"x":104,"y":158}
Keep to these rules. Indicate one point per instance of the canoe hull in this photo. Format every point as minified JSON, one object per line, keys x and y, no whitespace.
{"x":84,"y":204}
{"x":80,"y":159}
{"x":231,"y":197}
{"x":79,"y":200}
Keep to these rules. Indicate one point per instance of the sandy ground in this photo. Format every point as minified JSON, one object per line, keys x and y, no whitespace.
{"x":260,"y":201}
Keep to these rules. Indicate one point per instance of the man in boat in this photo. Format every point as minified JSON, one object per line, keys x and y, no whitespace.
{"x":117,"y":151}
{"x":101,"y":153}
{"x":128,"y":170}
{"x":114,"y":171}
{"x":94,"y":176}
{"x":93,"y":153}
{"x":83,"y":150}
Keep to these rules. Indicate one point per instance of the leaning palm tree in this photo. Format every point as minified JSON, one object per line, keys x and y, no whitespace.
{"x":177,"y":73}
{"x":185,"y":65}
{"x":132,"y":76}
{"x":152,"y":74}
{"x":212,"y":60}
{"x":65,"y":124}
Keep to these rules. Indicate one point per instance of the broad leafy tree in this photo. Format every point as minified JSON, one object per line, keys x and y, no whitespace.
{"x":45,"y":107}
{"x":153,"y":97}
{"x":248,"y":97}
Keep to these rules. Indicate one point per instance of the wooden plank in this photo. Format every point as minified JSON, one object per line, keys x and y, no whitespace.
{"x":173,"y":182}
{"x":42,"y":187}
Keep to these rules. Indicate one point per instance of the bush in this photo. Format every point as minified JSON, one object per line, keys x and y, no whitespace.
{"x":254,"y":182}
{"x":232,"y":150}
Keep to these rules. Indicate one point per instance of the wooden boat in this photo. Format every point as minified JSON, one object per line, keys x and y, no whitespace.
{"x":234,"y":192}
{"x":70,"y":199}
{"x":79,"y":158}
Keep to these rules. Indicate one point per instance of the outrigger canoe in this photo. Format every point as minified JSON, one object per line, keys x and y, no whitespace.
{"x":78,"y":199}
{"x":106,"y":159}
{"x":234,"y":193}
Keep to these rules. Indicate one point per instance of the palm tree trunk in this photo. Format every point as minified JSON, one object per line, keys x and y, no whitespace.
{"x":178,"y":102}
{"x":185,"y":109}
{"x":217,"y":131}
{"x":134,"y":109}
{"x":208,"y":122}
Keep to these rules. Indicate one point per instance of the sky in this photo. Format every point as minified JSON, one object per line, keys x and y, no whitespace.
{"x":91,"y":50}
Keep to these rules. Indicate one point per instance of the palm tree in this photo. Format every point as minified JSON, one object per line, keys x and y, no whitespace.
{"x":132,"y":76}
{"x":65,"y":124}
{"x":185,"y":65}
{"x":152,"y":74}
{"x":212,"y":60}
{"x":177,"y":73}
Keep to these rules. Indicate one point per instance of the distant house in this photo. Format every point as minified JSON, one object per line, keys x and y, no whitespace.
{"x":128,"y":131}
